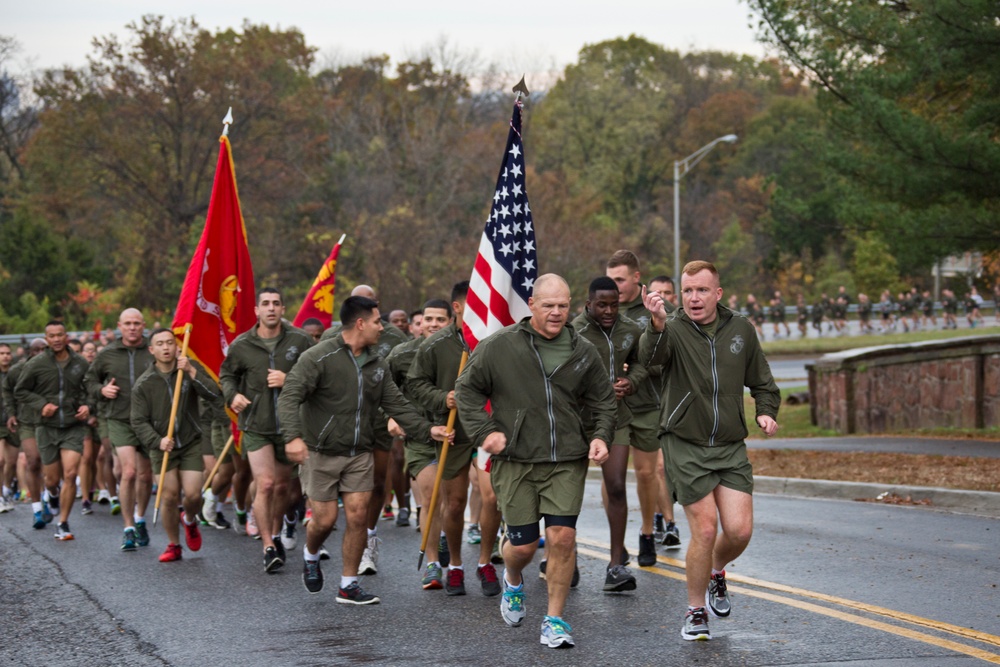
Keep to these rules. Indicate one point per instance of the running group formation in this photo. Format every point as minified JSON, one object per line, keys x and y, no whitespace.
{"x":909,"y":311}
{"x":339,"y":421}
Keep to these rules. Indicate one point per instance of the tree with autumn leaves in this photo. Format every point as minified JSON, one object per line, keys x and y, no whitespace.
{"x":107,"y":189}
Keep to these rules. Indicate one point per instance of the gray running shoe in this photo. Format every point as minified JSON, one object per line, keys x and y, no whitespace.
{"x":716,"y":597}
{"x":672,"y":537}
{"x":556,"y":633}
{"x":512,"y":604}
{"x":696,"y":625}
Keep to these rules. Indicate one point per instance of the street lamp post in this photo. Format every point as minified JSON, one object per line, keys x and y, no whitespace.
{"x":681,"y":168}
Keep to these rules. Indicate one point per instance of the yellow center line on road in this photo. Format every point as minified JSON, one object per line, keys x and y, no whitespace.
{"x":903,"y":617}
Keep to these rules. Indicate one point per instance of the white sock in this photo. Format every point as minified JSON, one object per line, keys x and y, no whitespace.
{"x":219,"y":506}
{"x":308,"y":555}
{"x":510,"y":585}
{"x":456,"y":567}
{"x":139,"y":518}
{"x":6,"y":490}
{"x":347,"y":581}
{"x":36,"y":507}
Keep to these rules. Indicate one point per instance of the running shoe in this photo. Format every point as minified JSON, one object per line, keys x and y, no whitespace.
{"x":252,"y":529}
{"x":512,"y":604}
{"x":208,"y":510}
{"x":354,"y":595}
{"x":672,"y":537}
{"x":618,"y":580}
{"x":403,"y":517}
{"x":272,"y":561}
{"x":51,"y":500}
{"x":444,"y":556}
{"x":128,"y":540}
{"x":116,"y":507}
{"x":219,"y":523}
{"x":323,"y":553}
{"x":369,"y":559}
{"x":6,"y":504}
{"x":39,"y":521}
{"x":103,"y":497}
{"x":63,"y":533}
{"x":474,"y":536}
{"x":312,"y":576}
{"x":659,"y":527}
{"x":455,"y":583}
{"x":696,"y":625}
{"x":280,"y":548}
{"x":556,"y":633}
{"x":192,"y":536}
{"x":141,"y":534}
{"x":86,"y":508}
{"x":496,"y":557}
{"x":647,"y":551}
{"x":171,"y":553}
{"x":240,"y":524}
{"x":716,"y":597}
{"x":387,"y":514}
{"x":576,"y":573}
{"x":432,"y":577}
{"x":488,"y":579}
{"x":46,"y":513}
{"x":288,"y":534}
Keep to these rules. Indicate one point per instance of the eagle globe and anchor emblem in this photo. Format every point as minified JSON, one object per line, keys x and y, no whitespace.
{"x":737,"y":344}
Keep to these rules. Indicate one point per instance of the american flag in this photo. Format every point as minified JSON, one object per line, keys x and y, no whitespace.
{"x":507,"y":263}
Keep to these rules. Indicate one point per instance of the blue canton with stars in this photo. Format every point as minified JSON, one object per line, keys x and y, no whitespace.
{"x":509,"y":227}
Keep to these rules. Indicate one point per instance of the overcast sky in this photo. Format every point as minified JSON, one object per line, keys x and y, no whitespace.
{"x":536,"y":35}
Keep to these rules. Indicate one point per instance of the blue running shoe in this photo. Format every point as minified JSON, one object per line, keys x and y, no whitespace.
{"x":39,"y":521}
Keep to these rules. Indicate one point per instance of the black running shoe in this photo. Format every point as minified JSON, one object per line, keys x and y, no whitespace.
{"x":647,"y":551}
{"x":444,"y":556}
{"x":619,"y":580}
{"x":454,"y":583}
{"x":312,"y":576}
{"x":272,"y":561}
{"x":354,"y":595}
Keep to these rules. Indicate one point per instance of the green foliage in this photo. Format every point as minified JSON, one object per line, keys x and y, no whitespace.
{"x":36,"y":260}
{"x":912,"y":91}
{"x":30,"y":315}
{"x":875,"y":269}
{"x":731,"y":252}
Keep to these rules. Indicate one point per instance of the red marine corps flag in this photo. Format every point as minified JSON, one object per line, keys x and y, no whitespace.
{"x":218,"y":294}
{"x":507,"y":263}
{"x":319,"y":301}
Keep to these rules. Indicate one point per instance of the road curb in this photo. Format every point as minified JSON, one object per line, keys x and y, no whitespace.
{"x":983,"y":503}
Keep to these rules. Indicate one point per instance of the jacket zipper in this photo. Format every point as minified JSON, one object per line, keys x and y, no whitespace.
{"x":274,"y":394}
{"x":611,"y":350}
{"x":715,"y":378}
{"x":357,"y":414}
{"x":62,"y":410}
{"x":548,"y":399}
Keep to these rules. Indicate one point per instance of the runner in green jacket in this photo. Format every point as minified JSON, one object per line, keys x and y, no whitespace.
{"x":710,"y":354}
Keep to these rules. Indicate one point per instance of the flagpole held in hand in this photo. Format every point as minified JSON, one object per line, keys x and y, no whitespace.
{"x":173,"y":421}
{"x":215,"y":468}
{"x":426,"y":528}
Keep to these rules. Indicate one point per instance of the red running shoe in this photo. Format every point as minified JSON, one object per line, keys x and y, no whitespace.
{"x":171,"y":553}
{"x":192,"y":536}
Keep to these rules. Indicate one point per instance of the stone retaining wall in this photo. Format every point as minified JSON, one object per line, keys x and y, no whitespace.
{"x":947,"y":383}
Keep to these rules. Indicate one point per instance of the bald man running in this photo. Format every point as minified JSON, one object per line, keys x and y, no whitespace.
{"x":110,"y":379}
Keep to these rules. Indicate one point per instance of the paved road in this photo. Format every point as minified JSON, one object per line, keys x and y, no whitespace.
{"x":85,"y":603}
{"x":888,"y":443}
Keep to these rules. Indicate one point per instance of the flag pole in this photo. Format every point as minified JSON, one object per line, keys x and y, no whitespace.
{"x":173,"y":421}
{"x":440,"y":473}
{"x":218,"y":462}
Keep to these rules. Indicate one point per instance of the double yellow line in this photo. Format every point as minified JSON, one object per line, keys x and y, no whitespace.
{"x":898,"y":616}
